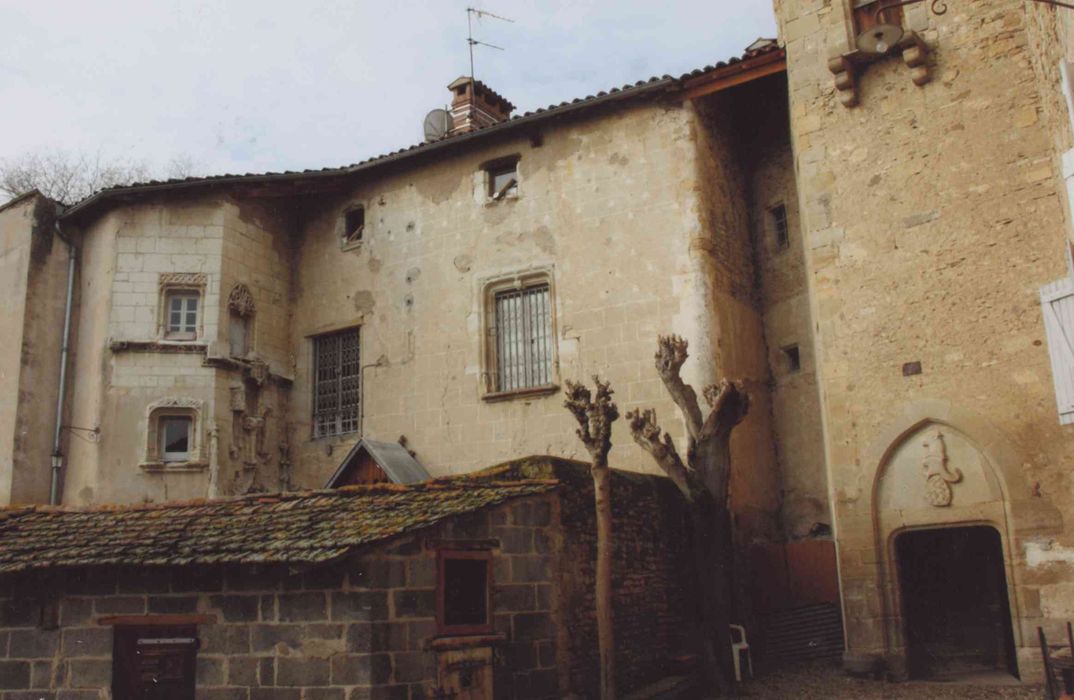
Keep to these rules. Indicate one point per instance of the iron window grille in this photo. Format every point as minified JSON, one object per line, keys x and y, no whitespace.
{"x":779,"y":225}
{"x":336,"y":384}
{"x":523,"y":338}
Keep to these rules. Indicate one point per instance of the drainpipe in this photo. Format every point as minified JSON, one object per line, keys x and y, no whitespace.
{"x":57,"y":453}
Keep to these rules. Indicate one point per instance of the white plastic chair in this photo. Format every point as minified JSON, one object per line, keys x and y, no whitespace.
{"x":739,"y":645}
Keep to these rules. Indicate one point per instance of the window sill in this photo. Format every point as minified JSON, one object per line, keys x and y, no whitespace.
{"x":346,"y":246}
{"x":527,"y":393}
{"x":157,"y":346}
{"x":492,"y":201}
{"x":173,"y":467}
{"x":450,"y":641}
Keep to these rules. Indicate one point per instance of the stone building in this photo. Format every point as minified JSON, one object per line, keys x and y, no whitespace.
{"x":858,"y":220}
{"x":473,"y":587}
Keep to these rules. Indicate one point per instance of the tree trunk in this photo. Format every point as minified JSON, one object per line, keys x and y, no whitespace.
{"x":602,"y":490}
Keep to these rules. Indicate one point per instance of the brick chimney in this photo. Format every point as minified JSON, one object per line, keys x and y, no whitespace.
{"x":474,"y":106}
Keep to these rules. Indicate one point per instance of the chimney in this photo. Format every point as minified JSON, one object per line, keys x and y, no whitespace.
{"x":475,"y":106}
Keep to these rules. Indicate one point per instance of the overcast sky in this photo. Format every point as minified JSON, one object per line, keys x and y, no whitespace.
{"x":256,"y":85}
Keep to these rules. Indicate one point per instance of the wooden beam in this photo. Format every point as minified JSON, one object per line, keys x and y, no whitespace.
{"x":716,"y":83}
{"x":151,"y":620}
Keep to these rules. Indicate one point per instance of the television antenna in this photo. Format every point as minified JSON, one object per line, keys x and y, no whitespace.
{"x":472,"y":12}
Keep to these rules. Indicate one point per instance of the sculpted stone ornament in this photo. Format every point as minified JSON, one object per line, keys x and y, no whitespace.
{"x":938,"y":476}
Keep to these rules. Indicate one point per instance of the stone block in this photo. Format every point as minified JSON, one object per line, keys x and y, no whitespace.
{"x":14,"y":675}
{"x":89,"y":673}
{"x":421,"y":572}
{"x":117,"y":605}
{"x":233,"y":693}
{"x":533,"y":513}
{"x":275,"y":693}
{"x":414,"y":603}
{"x":210,"y":670}
{"x":529,"y":568}
{"x":76,"y":611}
{"x":302,"y":672}
{"x":414,"y":666}
{"x":380,"y":692}
{"x":33,"y":643}
{"x":19,"y":612}
{"x":303,"y":607}
{"x":324,"y":694}
{"x":419,"y":633}
{"x":533,"y":626}
{"x":87,"y":641}
{"x":515,"y":598}
{"x":42,"y":675}
{"x":235,"y":608}
{"x":224,"y":639}
{"x":173,"y":604}
{"x":264,"y":637}
{"x":324,"y":578}
{"x":197,"y":580}
{"x":514,"y":540}
{"x":371,"y":572}
{"x":361,"y":669}
{"x":77,"y":695}
{"x":360,"y":605}
{"x":546,"y":654}
{"x":144,"y":580}
{"x":242,"y":671}
{"x":30,"y":695}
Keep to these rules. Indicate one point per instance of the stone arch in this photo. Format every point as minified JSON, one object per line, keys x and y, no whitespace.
{"x":977,"y":474}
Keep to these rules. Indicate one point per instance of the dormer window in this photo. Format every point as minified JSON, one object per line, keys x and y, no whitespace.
{"x":501,"y":177}
{"x":353,"y":225}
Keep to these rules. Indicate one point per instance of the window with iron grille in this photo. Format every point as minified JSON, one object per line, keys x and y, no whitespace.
{"x":336,"y":383}
{"x":522,"y":330}
{"x":779,"y":226}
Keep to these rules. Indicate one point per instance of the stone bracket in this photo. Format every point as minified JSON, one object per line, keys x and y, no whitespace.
{"x":845,"y":68}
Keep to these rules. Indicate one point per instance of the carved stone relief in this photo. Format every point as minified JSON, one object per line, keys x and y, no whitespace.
{"x":241,"y":300}
{"x":938,"y":476}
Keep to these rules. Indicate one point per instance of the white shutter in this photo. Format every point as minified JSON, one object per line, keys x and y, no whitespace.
{"x":1057,"y":305}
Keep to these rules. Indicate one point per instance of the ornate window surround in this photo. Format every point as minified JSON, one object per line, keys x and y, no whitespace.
{"x":175,"y":406}
{"x":172,"y":282}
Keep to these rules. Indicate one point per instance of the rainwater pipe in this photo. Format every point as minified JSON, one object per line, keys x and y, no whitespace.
{"x":57,"y":452}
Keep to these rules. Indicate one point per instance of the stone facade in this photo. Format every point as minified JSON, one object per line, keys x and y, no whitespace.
{"x":930,"y":216}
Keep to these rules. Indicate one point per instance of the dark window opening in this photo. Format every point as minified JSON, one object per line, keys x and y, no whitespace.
{"x":794,"y":358}
{"x":779,"y":226}
{"x":154,"y":662}
{"x":954,"y":602}
{"x":175,"y":438}
{"x":354,"y":225}
{"x":463,"y":594}
{"x":502,"y":178}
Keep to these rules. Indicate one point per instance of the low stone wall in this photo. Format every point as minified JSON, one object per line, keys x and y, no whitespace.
{"x":359,"y":628}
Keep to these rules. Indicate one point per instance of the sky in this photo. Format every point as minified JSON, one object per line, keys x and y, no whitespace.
{"x":240,"y":86}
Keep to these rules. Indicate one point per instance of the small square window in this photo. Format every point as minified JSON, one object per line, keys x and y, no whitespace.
{"x":181,"y":315}
{"x":778,"y":215}
{"x":793,"y":358}
{"x":463,"y":593}
{"x":175,"y":438}
{"x":354,"y":225}
{"x":502,"y":179}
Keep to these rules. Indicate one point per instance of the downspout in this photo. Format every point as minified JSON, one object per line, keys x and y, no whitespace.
{"x":57,"y":453}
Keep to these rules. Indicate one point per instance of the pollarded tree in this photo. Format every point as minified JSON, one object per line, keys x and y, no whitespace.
{"x":595,"y":415}
{"x":703,"y":479}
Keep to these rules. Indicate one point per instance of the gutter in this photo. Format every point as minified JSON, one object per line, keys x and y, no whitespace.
{"x":57,"y":452}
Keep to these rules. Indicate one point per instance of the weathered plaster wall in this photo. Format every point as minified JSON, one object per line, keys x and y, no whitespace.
{"x":16,"y":224}
{"x":610,"y":205}
{"x":930,"y":216}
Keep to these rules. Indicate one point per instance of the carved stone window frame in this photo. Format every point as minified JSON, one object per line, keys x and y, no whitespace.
{"x":489,"y":288}
{"x":170,"y":283}
{"x":182,"y":407}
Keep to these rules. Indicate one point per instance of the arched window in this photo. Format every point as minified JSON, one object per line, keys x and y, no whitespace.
{"x":240,"y":304}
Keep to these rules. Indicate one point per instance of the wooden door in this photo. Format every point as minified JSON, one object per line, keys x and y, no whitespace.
{"x":154,"y":663}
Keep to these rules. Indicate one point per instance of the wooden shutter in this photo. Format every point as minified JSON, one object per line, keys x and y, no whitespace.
{"x":1057,"y":305}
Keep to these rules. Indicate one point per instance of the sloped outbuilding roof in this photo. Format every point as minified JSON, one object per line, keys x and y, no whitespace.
{"x":303,"y":527}
{"x":393,"y":459}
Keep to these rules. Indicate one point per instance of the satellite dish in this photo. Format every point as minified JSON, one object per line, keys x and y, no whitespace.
{"x":879,"y":39}
{"x":437,"y":124}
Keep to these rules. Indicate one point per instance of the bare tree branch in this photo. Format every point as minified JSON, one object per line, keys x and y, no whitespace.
{"x":646,"y":432}
{"x":594,"y":416}
{"x":670,"y":355}
{"x":730,"y":402}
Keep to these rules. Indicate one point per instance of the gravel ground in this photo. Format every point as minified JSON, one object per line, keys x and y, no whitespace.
{"x":824,"y":682}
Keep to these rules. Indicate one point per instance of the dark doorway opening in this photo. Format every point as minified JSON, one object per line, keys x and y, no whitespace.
{"x":954,"y":602}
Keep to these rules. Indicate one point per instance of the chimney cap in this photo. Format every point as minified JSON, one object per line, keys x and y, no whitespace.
{"x":484,"y":91}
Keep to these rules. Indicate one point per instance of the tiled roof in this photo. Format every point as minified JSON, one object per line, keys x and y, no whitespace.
{"x":654,"y":84}
{"x":304,"y":527}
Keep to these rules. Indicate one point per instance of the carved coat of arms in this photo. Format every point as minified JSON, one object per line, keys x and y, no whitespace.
{"x":938,"y":476}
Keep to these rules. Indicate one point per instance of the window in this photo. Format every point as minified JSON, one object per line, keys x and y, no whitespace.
{"x":521,"y":344}
{"x":502,"y":177}
{"x":181,"y":315}
{"x":154,"y":661}
{"x":464,"y":583}
{"x":240,"y":306}
{"x":793,"y":358}
{"x":336,"y":383}
{"x":778,"y":214}
{"x":175,"y":440}
{"x":353,"y":225}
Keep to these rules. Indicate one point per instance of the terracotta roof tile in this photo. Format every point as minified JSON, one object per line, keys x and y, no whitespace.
{"x":306,"y":527}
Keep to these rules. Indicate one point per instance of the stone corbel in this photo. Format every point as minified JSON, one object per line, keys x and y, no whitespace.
{"x":845,"y":67}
